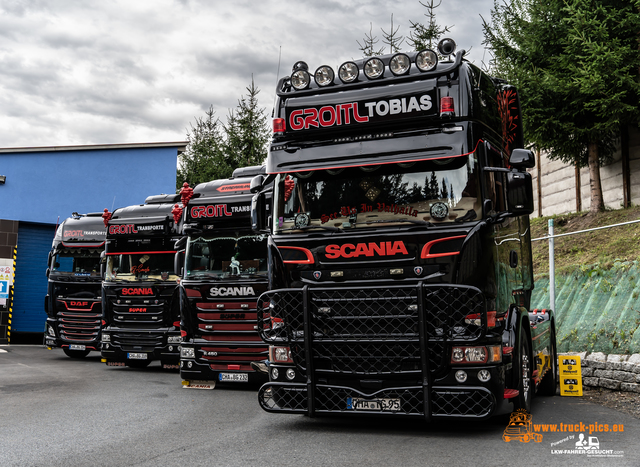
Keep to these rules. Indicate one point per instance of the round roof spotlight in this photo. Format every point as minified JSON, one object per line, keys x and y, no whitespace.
{"x":300,"y":65}
{"x":348,"y":72}
{"x":426,"y":60}
{"x":324,"y":75}
{"x":446,"y":46}
{"x":300,"y":79}
{"x":374,"y":68}
{"x":400,"y":64}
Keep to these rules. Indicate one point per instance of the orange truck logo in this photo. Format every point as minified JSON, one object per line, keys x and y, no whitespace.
{"x":521,"y":428}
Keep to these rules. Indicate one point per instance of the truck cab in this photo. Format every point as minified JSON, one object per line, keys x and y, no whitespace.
{"x":73,"y":302}
{"x":224,"y":274}
{"x":400,"y":254}
{"x":140,"y":301}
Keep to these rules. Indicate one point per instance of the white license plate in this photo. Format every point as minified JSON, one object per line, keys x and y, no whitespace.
{"x":379,"y":405}
{"x":233,"y":377}
{"x":136,"y":356}
{"x":76,"y":347}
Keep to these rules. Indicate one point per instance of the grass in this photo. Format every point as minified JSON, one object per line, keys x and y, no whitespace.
{"x":602,"y":247}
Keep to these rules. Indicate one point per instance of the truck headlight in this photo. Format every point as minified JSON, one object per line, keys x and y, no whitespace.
{"x":106,"y":338}
{"x":187,"y":352}
{"x":174,"y":339}
{"x":51,"y":331}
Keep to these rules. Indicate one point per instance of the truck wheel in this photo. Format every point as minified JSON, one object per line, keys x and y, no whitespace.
{"x":138,"y":363}
{"x":550,"y":379}
{"x":75,"y":353}
{"x":525,"y":386}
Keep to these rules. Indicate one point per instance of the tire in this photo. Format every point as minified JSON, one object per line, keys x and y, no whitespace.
{"x":138,"y":363}
{"x":550,"y":380}
{"x":75,"y":353}
{"x":525,"y":383}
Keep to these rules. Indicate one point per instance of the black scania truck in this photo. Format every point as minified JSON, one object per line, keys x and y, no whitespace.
{"x":225,"y":273}
{"x":400,"y":246}
{"x":73,"y":301}
{"x":141,"y":311}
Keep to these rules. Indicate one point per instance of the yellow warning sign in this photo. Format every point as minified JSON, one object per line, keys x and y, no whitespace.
{"x":570,"y":368}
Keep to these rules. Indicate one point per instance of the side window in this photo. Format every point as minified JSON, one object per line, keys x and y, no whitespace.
{"x":495,"y":182}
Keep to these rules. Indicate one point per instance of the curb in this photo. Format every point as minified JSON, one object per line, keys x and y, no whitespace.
{"x":617,"y":372}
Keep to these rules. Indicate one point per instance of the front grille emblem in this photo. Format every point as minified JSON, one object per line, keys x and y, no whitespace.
{"x":317,"y":275}
{"x":418,"y":270}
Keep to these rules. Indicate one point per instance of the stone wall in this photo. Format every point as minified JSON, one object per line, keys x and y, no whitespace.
{"x":558,"y":182}
{"x":617,"y":372}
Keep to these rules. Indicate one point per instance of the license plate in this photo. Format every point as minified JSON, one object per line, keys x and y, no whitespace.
{"x":76,"y":347}
{"x":233,"y":377}
{"x":379,"y":405}
{"x":136,"y":356}
{"x":198,"y":384}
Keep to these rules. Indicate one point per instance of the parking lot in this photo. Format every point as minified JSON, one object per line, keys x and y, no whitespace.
{"x":59,"y":411}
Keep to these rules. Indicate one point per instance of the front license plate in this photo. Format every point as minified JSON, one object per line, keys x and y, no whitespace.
{"x":76,"y":347}
{"x":233,"y":377}
{"x":379,"y":405}
{"x":136,"y":356}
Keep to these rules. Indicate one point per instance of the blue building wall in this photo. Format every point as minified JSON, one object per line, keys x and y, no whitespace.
{"x":44,"y":185}
{"x":41,"y":186}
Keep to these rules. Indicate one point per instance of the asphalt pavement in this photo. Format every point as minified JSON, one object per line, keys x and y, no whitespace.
{"x":57,"y":411}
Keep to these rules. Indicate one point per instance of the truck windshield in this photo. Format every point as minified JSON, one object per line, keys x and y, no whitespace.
{"x":226,"y":257}
{"x":84,"y":261}
{"x":140,"y":267}
{"x":423,"y":192}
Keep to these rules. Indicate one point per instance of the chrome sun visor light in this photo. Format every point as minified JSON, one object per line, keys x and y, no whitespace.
{"x":324,"y":76}
{"x":399,"y":64}
{"x":426,"y":60}
{"x":374,"y":68}
{"x":348,"y":72}
{"x":300,"y":78}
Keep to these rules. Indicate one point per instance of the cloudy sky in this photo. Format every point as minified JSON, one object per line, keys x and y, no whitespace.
{"x":133,"y":71}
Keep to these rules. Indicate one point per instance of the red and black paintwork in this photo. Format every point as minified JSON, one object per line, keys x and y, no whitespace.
{"x":142,"y":316}
{"x":73,"y":301}
{"x":381,"y":327}
{"x":218,"y":314}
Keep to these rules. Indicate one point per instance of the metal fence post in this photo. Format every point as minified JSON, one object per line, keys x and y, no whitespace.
{"x":552,"y":268}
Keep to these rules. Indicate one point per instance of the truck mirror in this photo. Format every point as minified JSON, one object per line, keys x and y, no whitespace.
{"x":178,"y":263}
{"x":48,"y":271}
{"x":522,"y":159}
{"x":519,"y":193}
{"x":180,"y":243}
{"x":257,"y":211}
{"x":257,"y":183}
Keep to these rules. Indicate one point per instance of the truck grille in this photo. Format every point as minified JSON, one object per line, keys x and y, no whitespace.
{"x":374,"y":331}
{"x":137,"y":340}
{"x":79,"y":323}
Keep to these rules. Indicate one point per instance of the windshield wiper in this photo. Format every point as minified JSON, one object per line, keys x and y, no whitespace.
{"x":469,"y":216}
{"x":204,"y":275}
{"x":312,"y":226}
{"x":391,"y":221}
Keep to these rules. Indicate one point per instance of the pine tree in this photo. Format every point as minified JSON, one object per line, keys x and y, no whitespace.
{"x":368,"y":44}
{"x":427,"y":37}
{"x":203,"y":159}
{"x":576,"y":65}
{"x":392,"y":39}
{"x":247,"y":132}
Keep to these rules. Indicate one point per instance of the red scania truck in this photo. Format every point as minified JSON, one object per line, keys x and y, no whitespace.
{"x":225,"y":273}
{"x":73,"y":302}
{"x":400,"y":245}
{"x":140,"y":302}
